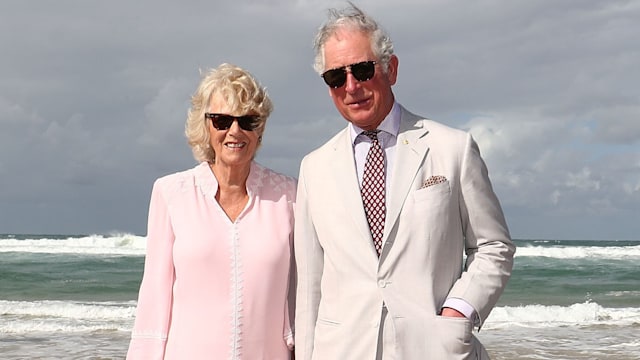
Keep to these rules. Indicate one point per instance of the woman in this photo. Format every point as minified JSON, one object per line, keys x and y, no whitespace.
{"x":216,"y":277}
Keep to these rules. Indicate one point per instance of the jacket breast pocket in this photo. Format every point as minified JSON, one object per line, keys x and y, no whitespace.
{"x":432,"y":204}
{"x":433,"y":192}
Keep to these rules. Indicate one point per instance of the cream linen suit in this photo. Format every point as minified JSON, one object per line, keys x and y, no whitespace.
{"x":342,"y":284}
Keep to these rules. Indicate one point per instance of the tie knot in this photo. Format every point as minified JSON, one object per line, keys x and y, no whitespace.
{"x":371,"y":134}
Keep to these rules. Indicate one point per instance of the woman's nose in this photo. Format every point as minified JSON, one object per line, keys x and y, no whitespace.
{"x":235,"y":127}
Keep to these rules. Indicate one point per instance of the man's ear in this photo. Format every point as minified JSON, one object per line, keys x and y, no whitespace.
{"x":392,"y":70}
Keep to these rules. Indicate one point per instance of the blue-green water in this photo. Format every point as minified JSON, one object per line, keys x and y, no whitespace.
{"x":569,"y":272}
{"x":74,"y":297}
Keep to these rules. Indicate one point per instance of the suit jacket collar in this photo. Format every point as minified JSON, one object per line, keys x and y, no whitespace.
{"x":411,"y":149}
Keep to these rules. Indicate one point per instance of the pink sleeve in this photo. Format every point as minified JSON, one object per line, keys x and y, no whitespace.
{"x":153,"y":313}
{"x":289,"y":310}
{"x":289,"y":314}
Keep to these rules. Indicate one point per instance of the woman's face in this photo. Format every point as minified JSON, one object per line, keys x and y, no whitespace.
{"x":234,"y":147}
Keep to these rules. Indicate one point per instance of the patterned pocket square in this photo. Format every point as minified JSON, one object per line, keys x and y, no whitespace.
{"x":433,"y":180}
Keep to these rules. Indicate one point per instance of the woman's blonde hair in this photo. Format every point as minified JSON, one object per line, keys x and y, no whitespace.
{"x":242,"y":93}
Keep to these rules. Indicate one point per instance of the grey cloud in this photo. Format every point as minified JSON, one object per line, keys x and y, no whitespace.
{"x":94,"y":95}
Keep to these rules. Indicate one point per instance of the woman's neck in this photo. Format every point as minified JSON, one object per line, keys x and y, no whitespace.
{"x":232,"y":188}
{"x":230,"y":176}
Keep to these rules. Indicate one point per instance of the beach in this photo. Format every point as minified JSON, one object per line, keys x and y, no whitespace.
{"x":74,"y":297}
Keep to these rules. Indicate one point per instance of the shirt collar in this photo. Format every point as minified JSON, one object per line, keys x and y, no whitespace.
{"x":390,"y":124}
{"x":207,"y":182}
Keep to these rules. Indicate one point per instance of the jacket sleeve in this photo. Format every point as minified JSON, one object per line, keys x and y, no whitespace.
{"x":153,"y":313}
{"x":309,"y":258}
{"x":488,"y":245}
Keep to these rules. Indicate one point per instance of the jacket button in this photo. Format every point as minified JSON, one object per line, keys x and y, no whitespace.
{"x":382,"y":283}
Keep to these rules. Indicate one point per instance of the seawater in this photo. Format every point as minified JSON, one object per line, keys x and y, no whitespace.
{"x":74,"y":297}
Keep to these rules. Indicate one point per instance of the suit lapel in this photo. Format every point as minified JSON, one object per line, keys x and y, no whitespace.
{"x":347,"y":183}
{"x":411,"y":149}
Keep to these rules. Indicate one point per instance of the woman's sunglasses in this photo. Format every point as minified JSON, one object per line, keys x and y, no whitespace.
{"x":224,"y":121}
{"x":362,"y":71}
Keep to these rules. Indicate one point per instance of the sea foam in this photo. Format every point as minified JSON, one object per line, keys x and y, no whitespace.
{"x":580,"y":252}
{"x":69,"y":316}
{"x":73,"y":316}
{"x":547,"y":316}
{"x":123,"y":244}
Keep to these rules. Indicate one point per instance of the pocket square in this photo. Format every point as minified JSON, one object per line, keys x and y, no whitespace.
{"x":433,"y":180}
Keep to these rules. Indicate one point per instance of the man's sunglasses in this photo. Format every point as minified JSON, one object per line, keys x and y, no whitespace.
{"x":224,"y":121}
{"x":362,"y":71}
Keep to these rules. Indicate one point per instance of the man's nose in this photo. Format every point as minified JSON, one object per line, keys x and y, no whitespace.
{"x":351,"y":84}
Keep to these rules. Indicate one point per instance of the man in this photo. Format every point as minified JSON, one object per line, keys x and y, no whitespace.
{"x":385,"y":211}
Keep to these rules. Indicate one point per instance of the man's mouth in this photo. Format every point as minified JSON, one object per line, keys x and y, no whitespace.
{"x":357,"y":103}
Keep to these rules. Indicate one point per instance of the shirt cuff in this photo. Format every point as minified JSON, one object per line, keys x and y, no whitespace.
{"x":462,"y":306}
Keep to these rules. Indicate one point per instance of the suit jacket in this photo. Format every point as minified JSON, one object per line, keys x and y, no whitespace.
{"x":342,"y":284}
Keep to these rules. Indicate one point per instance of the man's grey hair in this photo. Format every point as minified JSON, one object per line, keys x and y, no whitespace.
{"x":353,"y":19}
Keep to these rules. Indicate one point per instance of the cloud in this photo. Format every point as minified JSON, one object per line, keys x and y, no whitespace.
{"x":94,"y":96}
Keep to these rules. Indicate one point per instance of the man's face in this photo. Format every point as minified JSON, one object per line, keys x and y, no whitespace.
{"x":364,"y":103}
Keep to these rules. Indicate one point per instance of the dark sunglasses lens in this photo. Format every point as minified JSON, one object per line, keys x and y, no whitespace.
{"x":222,"y":122}
{"x":248,"y":122}
{"x":363,"y":71}
{"x":335,"y":78}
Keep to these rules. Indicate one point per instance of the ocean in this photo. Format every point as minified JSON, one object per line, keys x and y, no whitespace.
{"x":74,"y":297}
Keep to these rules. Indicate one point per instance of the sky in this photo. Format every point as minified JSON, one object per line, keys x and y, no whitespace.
{"x":94,"y":96}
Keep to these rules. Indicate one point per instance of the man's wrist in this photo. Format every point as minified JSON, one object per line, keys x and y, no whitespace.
{"x":460,"y":306}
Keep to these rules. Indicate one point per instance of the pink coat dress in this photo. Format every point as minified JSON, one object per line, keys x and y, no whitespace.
{"x":213,"y":288}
